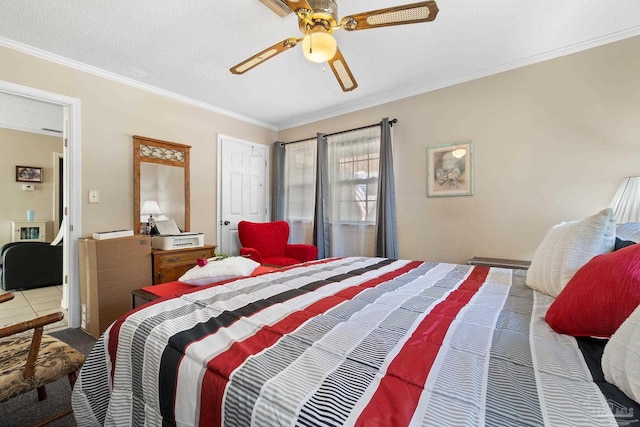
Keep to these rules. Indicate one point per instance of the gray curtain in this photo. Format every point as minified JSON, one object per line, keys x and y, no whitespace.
{"x":321,"y":217}
{"x":386,"y":235}
{"x":278,"y":207}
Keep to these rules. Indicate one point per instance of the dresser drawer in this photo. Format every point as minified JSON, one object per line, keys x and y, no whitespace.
{"x":178,"y":258}
{"x":168,"y":266}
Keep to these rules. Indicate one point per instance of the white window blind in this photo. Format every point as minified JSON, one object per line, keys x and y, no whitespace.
{"x":300,"y":182}
{"x":353,"y":166}
{"x":354,"y":159}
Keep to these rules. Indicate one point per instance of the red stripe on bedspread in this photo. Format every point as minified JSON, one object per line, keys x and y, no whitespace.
{"x":396,"y":398}
{"x":220,"y":368}
{"x":176,"y":289}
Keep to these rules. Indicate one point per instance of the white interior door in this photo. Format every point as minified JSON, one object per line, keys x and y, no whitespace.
{"x":243,"y":188}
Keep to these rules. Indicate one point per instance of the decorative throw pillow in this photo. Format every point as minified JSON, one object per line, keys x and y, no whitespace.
{"x":568,"y":246}
{"x":600,"y":296}
{"x":216,"y":270}
{"x":621,"y":357}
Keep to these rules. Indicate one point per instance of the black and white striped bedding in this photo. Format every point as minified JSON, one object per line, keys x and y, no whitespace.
{"x":348,"y":341}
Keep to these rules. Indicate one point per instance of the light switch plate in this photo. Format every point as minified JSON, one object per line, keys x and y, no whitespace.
{"x":94,"y":196}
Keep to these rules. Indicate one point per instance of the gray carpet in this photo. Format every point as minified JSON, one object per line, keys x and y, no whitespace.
{"x":26,"y":410}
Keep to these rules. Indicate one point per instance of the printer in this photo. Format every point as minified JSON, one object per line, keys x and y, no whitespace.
{"x":177,"y":241}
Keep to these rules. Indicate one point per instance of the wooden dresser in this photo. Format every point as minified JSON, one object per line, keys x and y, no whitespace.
{"x":169,"y":265}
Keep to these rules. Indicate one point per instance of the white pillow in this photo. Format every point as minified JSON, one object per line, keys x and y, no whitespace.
{"x":217,"y":270}
{"x":621,"y":357}
{"x":568,"y":246}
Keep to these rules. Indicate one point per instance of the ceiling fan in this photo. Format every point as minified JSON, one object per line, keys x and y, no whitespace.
{"x":317,"y":19}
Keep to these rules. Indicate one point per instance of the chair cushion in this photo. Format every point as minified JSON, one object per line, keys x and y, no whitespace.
{"x":269,"y":238}
{"x":302,"y":252}
{"x":56,"y":359}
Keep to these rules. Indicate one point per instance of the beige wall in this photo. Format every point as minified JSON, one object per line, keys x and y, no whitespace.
{"x":552,"y":141}
{"x":26,"y":149}
{"x":111,"y":113}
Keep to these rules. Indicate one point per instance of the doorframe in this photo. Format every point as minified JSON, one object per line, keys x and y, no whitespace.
{"x":72,"y":191}
{"x":267,"y":185}
{"x":57,"y":202}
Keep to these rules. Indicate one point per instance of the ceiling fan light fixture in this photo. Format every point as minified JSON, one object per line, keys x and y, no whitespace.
{"x":319,"y":47}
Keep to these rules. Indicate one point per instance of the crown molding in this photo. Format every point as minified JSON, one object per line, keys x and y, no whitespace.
{"x":48,"y":56}
{"x":396,"y":96}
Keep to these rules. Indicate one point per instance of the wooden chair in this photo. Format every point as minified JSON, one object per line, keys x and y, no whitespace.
{"x":30,"y":362}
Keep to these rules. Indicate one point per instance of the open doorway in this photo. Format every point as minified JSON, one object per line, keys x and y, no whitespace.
{"x":70,"y":189}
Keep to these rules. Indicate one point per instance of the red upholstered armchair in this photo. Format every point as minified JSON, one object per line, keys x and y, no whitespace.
{"x":266,"y":243}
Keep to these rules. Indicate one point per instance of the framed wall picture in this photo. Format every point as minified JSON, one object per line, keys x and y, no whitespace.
{"x":450,"y":170}
{"x":28,"y":174}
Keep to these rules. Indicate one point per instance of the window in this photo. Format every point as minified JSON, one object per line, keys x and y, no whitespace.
{"x":353,"y":177}
{"x":353,"y":165}
{"x":354,"y":159}
{"x":300,"y":193}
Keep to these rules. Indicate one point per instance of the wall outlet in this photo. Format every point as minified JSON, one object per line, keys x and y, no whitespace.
{"x":94,"y":196}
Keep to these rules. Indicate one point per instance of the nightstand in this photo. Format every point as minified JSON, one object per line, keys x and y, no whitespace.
{"x":140,"y":297}
{"x":499,"y":262}
{"x":169,"y":265}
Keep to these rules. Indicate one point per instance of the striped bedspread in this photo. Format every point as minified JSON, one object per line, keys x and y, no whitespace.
{"x":347,"y":341}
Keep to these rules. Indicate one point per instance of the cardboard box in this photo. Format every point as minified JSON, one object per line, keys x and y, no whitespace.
{"x":109,"y":270}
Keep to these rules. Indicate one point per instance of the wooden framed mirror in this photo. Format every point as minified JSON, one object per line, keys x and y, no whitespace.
{"x":161,"y":174}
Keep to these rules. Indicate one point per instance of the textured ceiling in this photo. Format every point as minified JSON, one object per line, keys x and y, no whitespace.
{"x":30,"y":115}
{"x":186,"y":48}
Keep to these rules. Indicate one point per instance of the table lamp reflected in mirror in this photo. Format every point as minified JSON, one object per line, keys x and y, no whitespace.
{"x":150,"y":208}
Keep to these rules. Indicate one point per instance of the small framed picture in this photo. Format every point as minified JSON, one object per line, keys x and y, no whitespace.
{"x":28,"y":174}
{"x":450,"y":170}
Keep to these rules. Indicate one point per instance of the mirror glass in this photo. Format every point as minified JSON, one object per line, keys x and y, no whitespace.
{"x":161,"y":182}
{"x":165,"y":185}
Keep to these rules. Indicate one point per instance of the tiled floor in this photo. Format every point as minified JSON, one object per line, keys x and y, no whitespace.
{"x":33,"y":303}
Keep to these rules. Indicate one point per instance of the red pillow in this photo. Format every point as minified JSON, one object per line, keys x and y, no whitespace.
{"x":600,"y":295}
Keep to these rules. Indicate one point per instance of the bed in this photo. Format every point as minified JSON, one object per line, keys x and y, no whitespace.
{"x":349,"y":341}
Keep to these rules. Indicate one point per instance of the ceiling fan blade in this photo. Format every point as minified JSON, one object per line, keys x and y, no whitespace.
{"x":423,"y":11}
{"x":342,"y":72}
{"x":268,"y":53}
{"x":278,"y":7}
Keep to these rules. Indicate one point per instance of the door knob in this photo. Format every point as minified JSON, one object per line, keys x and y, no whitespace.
{"x":227,"y":222}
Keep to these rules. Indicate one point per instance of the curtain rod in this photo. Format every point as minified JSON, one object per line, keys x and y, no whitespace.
{"x":391,"y":122}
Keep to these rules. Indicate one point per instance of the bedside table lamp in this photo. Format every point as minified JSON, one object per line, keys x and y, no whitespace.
{"x":626,"y":202}
{"x":150,"y":207}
